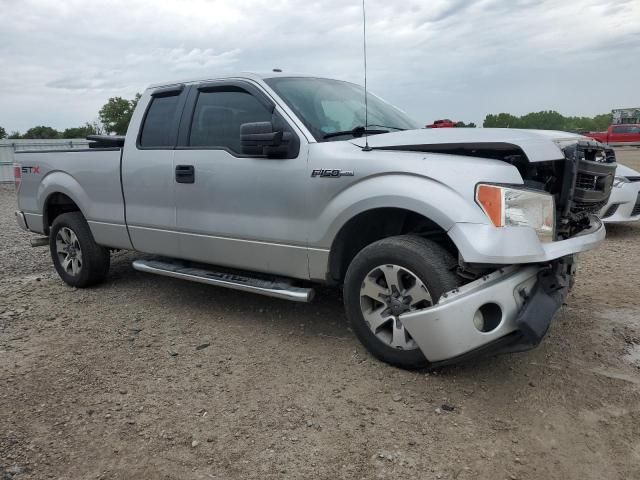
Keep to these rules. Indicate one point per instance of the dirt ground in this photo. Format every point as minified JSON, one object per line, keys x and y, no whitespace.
{"x":151,"y":377}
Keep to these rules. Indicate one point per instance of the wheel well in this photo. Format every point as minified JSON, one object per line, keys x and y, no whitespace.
{"x":373,"y":225}
{"x":57,"y":204}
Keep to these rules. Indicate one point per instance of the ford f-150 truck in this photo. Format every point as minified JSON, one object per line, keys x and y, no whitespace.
{"x":447,"y":243}
{"x":618,"y":135}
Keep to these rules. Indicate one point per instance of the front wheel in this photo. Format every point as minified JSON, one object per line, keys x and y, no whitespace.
{"x":79,"y":261}
{"x":391,"y":277}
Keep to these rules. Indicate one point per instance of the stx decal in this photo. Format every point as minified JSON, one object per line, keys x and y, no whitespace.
{"x":35,"y":169}
{"x":331,"y":173}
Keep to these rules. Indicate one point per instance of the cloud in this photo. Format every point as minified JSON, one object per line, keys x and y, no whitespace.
{"x":449,"y":9}
{"x":176,"y":61}
{"x":459,"y":59}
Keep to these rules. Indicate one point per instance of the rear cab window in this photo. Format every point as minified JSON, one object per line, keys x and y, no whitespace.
{"x":159,"y":127}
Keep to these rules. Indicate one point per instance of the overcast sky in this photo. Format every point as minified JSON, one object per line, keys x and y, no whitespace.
{"x":461,"y":59}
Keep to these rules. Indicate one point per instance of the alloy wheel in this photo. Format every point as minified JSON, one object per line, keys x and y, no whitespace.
{"x":387,"y":292}
{"x":69,"y":251}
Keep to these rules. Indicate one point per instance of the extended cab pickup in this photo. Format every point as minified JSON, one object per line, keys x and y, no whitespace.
{"x":618,"y":135}
{"x":448,"y":243}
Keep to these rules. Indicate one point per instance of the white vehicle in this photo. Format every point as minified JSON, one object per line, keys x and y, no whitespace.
{"x":624,"y":202}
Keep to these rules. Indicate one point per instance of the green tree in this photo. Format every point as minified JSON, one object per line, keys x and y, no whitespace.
{"x":601,"y":122}
{"x":116,"y":114}
{"x":545,"y":120}
{"x":548,"y":120}
{"x":465,"y":125}
{"x":41,"y":132}
{"x":3,"y":133}
{"x":501,"y":120}
{"x":14,"y":135}
{"x":80,"y":132}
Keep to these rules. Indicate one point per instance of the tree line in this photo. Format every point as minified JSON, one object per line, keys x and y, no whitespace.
{"x":464,"y":125}
{"x":548,"y":120}
{"x":114,"y":119}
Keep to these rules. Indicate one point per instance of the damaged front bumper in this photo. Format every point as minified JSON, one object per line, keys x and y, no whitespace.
{"x":508,"y":310}
{"x":480,"y":243}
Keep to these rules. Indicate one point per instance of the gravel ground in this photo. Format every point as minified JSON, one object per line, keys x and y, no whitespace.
{"x":151,"y":377}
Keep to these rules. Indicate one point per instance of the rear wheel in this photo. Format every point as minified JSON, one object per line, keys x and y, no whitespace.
{"x":388,"y":278}
{"x":77,"y":258}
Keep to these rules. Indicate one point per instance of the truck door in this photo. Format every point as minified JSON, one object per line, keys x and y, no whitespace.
{"x":631,"y":134}
{"x":148,"y":173}
{"x":233,"y":209}
{"x":620,"y":134}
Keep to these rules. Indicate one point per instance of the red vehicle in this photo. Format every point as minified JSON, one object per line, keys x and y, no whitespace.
{"x":446,"y":123}
{"x":618,"y":135}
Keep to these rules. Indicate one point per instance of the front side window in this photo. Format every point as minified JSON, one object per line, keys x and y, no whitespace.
{"x":622,"y":129}
{"x":220,"y":113}
{"x":159,"y":122}
{"x":328,"y":106}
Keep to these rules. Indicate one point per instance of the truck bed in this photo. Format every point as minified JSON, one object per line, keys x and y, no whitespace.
{"x":89,"y":177}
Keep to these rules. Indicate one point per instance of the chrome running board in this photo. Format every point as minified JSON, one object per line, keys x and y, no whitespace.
{"x":275,"y":287}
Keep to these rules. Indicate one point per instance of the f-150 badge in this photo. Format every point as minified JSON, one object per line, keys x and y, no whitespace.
{"x":331,"y":173}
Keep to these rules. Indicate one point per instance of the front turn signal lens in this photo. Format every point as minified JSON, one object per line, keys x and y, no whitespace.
{"x":491,"y":199}
{"x":518,"y":207}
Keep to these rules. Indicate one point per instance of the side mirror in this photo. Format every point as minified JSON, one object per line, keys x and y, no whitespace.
{"x":259,"y":138}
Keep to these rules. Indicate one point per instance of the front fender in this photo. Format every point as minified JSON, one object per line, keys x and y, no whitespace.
{"x":416,"y":193}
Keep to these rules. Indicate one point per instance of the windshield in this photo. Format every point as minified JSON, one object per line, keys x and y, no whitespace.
{"x":328,"y":106}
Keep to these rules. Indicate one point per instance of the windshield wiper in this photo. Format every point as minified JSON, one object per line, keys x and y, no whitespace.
{"x":386,"y":126}
{"x":356,"y":132}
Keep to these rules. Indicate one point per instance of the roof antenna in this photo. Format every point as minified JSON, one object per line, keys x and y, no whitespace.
{"x":366,"y":148}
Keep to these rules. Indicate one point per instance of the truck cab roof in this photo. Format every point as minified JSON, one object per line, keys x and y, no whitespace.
{"x":257,"y":76}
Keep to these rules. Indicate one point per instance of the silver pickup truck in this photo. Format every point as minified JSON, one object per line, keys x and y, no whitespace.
{"x":447,"y":243}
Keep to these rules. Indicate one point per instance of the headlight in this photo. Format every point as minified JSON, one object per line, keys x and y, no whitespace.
{"x":619,"y":181}
{"x":515,"y":207}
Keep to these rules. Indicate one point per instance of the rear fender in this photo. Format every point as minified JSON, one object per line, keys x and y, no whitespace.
{"x":61,"y":182}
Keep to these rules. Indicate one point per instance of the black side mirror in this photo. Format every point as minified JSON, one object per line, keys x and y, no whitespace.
{"x":260,"y":138}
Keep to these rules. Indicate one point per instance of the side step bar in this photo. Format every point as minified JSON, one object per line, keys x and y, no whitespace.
{"x":276,"y":287}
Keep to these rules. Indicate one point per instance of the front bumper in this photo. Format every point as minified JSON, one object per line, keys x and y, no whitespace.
{"x":480,"y":243}
{"x":22,"y":223}
{"x":527,"y":298}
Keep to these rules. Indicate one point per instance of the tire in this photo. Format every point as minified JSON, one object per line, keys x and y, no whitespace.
{"x":399,"y":257}
{"x":85,"y":263}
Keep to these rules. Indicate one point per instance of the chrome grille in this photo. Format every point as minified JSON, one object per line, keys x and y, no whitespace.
{"x":593,"y":169}
{"x":587,"y":182}
{"x":588,"y":207}
{"x":587,"y":178}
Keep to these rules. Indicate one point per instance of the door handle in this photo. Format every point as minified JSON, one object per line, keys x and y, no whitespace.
{"x":185,"y":174}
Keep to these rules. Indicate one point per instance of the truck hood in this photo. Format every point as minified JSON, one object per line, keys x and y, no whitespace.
{"x":537,"y":145}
